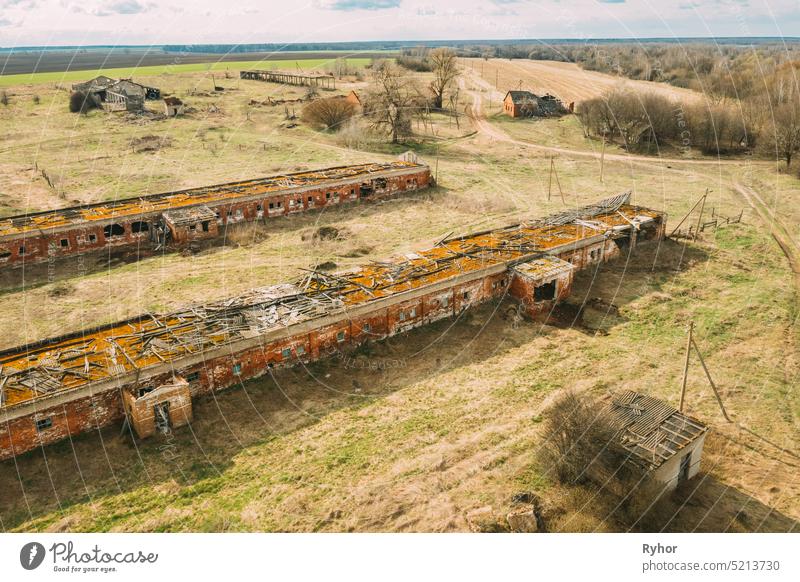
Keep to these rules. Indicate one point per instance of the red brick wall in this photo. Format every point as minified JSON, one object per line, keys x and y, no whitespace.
{"x":20,"y":435}
{"x":40,"y":248}
{"x":230,"y":370}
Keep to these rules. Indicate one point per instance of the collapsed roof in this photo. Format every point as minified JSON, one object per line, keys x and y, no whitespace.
{"x":78,"y":359}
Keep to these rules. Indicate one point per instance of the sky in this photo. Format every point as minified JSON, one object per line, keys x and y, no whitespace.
{"x":88,"y":22}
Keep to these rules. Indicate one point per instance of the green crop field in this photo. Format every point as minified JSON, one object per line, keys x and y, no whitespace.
{"x":126,"y":72}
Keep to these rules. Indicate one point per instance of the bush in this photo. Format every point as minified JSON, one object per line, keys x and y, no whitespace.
{"x":416,"y":64}
{"x":579,"y":442}
{"x":641,"y":120}
{"x":80,"y":102}
{"x":357,"y":134}
{"x":329,"y":113}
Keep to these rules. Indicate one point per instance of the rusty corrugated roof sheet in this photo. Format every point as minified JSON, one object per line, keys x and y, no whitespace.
{"x":650,"y":429}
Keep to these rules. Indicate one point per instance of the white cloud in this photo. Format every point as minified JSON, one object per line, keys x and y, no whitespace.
{"x":209,"y":21}
{"x":122,"y":7}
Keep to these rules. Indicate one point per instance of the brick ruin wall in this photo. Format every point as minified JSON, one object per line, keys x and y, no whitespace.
{"x":219,"y":373}
{"x":134,"y":233}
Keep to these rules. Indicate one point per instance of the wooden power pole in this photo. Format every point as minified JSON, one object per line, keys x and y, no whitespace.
{"x":686,"y":365}
{"x":602,"y":158}
{"x":691,"y":343}
{"x":700,"y":216}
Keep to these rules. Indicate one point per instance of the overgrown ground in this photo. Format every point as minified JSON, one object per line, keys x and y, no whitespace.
{"x":436,"y":430}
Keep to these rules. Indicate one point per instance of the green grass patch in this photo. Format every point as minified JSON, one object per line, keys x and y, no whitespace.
{"x":153,"y":70}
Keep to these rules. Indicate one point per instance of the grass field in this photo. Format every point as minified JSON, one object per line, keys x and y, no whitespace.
{"x":154,"y":70}
{"x":436,"y":430}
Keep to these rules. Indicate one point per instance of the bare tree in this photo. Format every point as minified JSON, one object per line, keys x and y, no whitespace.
{"x":445,"y":71}
{"x":339,"y":68}
{"x":330,"y":113}
{"x":783,"y":132}
{"x":392,"y":101}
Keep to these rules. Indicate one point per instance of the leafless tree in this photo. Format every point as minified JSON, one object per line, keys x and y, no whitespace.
{"x":330,"y":113}
{"x":445,"y":71}
{"x":392,"y":101}
{"x":783,"y":132}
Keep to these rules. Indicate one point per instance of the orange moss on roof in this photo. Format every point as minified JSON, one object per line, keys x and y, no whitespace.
{"x":119,"y":349}
{"x":16,"y":225}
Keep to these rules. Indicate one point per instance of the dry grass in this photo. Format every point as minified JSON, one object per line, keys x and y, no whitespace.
{"x":415,"y":433}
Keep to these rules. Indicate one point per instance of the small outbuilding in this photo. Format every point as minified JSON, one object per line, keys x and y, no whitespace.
{"x":173,"y":106}
{"x":657,"y":438}
{"x":117,"y":95}
{"x":527,"y":104}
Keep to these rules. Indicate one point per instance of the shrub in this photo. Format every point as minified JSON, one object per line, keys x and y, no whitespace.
{"x":578,"y":440}
{"x":80,"y":102}
{"x":329,"y":113}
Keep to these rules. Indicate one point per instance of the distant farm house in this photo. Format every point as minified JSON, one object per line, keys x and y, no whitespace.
{"x":527,"y":104}
{"x":657,"y":438}
{"x":117,"y":95}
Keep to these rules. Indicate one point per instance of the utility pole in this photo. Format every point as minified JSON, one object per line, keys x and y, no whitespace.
{"x":699,"y":200}
{"x":550,"y":180}
{"x":686,"y":365}
{"x":602,"y":158}
{"x":690,"y":343}
{"x":558,"y":182}
{"x":700,"y":216}
{"x":710,"y":381}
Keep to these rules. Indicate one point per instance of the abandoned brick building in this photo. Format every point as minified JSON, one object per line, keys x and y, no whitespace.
{"x":148,"y":369}
{"x":176,"y":219}
{"x":527,"y":104}
{"x":117,"y":95}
